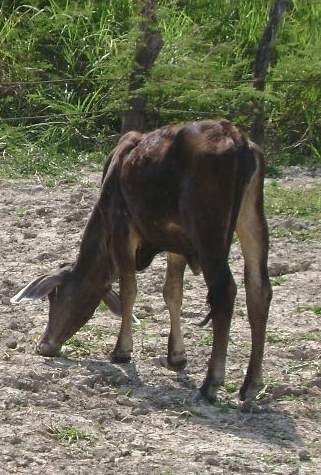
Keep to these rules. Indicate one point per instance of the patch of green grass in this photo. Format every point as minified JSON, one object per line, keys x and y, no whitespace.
{"x":297,"y":202}
{"x":76,"y":347}
{"x":20,"y":211}
{"x":230,"y":387}
{"x":294,"y":368}
{"x":299,"y":234}
{"x":142,"y":328}
{"x":271,"y":459}
{"x":310,"y":308}
{"x":102,"y":307}
{"x":312,"y":411}
{"x":274,"y":337}
{"x":55,"y":161}
{"x":87,"y":342}
{"x":273,"y":170}
{"x":206,"y":340}
{"x":72,"y":434}
{"x":314,"y":335}
{"x":278,"y":280}
{"x":288,"y":397}
{"x":98,"y":331}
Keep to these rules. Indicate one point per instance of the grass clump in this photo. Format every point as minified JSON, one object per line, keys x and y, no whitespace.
{"x":206,"y":340}
{"x":316,"y":309}
{"x":274,"y":337}
{"x":72,"y":434}
{"x":298,"y":202}
{"x":278,"y":280}
{"x":231,"y":387}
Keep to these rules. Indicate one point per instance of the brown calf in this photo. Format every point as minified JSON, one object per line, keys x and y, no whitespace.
{"x":182,"y":189}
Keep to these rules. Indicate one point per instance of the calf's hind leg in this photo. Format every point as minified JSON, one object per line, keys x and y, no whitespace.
{"x":221,"y":297}
{"x":173,"y":295}
{"x":253,"y":234}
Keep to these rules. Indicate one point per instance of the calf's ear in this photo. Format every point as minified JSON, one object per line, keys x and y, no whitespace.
{"x":40,"y":287}
{"x":112,"y":300}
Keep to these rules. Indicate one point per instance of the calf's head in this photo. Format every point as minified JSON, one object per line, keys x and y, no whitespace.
{"x":72,"y":301}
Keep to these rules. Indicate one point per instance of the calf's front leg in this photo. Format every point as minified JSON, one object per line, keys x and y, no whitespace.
{"x":128,"y":291}
{"x":125,"y":252}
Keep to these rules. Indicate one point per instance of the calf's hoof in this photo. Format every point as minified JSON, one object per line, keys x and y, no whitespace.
{"x":176,"y":362}
{"x":250,"y":407}
{"x":120,"y":358}
{"x":45,"y":348}
{"x":208,"y":391}
{"x":249,"y":392}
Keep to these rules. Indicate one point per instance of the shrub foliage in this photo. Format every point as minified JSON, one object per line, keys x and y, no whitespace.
{"x":64,"y":69}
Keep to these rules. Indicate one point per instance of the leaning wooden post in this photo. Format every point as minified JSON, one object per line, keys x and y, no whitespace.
{"x":149,"y":44}
{"x":262,"y":62}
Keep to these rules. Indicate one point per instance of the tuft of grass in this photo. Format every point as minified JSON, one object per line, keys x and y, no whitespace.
{"x":76,"y":347}
{"x":206,"y":340}
{"x":298,"y":202}
{"x":299,"y":234}
{"x":20,"y":211}
{"x":316,"y":309}
{"x":230,"y":387}
{"x":102,"y":307}
{"x":72,"y":434}
{"x":273,"y":337}
{"x":314,"y":335}
{"x":278,"y":280}
{"x":88,"y":341}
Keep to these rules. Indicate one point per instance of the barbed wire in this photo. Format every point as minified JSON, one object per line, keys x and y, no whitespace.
{"x":9,"y":84}
{"x":54,"y":116}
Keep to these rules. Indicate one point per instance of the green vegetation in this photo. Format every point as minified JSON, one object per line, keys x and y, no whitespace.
{"x":310,"y":308}
{"x":277,"y":337}
{"x":20,"y":211}
{"x":302,"y":204}
{"x":313,"y":335}
{"x":299,"y":202}
{"x":231,"y":387}
{"x":206,"y":340}
{"x":278,"y":280}
{"x":204,"y":70}
{"x":75,"y":347}
{"x":87,"y":341}
{"x":72,"y":434}
{"x":301,"y":235}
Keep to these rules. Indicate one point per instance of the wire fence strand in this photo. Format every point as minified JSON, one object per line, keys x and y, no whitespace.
{"x":10,"y":84}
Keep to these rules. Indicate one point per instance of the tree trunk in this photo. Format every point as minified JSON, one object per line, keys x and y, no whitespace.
{"x":148,"y":47}
{"x":262,"y":62}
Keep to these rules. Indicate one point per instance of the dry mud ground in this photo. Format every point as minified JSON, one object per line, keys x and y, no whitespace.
{"x":141,"y":418}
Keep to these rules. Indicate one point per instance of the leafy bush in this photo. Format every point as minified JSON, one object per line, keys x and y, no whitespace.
{"x":85,"y":49}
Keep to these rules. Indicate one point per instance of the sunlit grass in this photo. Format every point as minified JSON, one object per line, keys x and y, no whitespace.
{"x":71,"y":434}
{"x":294,"y":202}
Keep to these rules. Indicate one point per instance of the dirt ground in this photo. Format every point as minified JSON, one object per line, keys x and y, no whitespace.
{"x":80,"y":414}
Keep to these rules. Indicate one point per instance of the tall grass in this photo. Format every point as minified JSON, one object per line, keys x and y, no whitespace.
{"x":88,"y":44}
{"x":209,"y":46}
